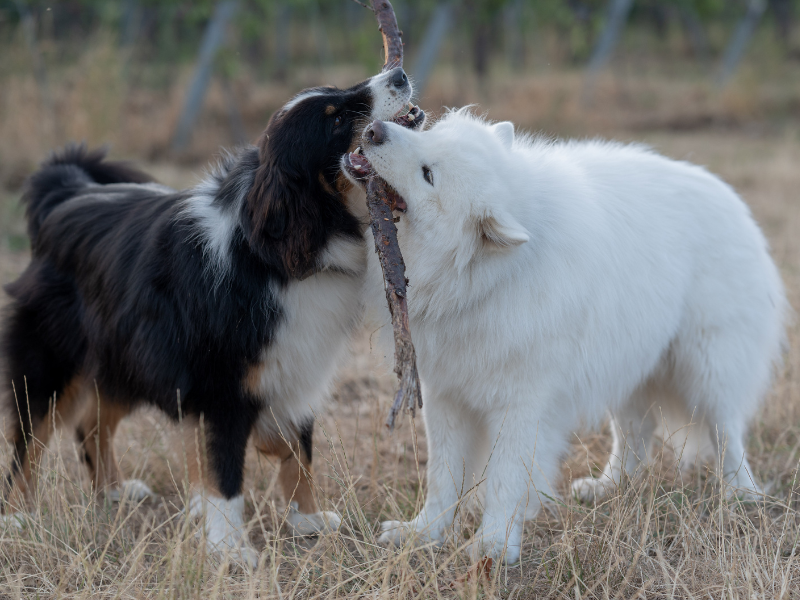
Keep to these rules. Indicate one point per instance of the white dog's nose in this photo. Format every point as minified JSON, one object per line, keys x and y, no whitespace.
{"x":375,"y":133}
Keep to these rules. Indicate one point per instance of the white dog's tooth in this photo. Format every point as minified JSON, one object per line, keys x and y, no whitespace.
{"x":357,"y":167}
{"x":358,"y":150}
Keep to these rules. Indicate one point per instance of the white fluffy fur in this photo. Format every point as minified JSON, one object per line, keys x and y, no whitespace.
{"x":387,"y":99}
{"x":320,"y":314}
{"x":132,"y":490}
{"x":217,"y":223}
{"x":224,"y":526}
{"x":301,"y":524}
{"x":553,"y":282}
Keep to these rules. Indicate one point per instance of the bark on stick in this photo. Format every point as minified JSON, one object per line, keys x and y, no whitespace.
{"x":380,"y":202}
{"x":381,"y":198}
{"x":392,"y":40}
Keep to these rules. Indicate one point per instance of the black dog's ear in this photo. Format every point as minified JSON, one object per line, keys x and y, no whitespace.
{"x":280,"y":213}
{"x":267,"y":205}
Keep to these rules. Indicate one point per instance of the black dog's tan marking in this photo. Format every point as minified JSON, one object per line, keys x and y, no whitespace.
{"x":295,"y":475}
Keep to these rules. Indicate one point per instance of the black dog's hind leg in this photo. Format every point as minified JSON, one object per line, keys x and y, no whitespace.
{"x":40,"y":393}
{"x":41,"y":352}
{"x":95,"y":434}
{"x":293,"y":447}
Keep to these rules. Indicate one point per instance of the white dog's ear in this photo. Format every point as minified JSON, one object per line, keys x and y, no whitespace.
{"x":505,"y":131}
{"x":500,"y":231}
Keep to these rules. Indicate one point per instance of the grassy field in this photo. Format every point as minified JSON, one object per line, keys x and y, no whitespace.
{"x":666,"y":535}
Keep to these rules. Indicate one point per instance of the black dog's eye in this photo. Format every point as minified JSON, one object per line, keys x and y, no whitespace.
{"x":337,"y":121}
{"x":426,"y":173}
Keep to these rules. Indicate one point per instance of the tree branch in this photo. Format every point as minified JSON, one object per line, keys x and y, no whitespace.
{"x":381,"y":199}
{"x":392,"y":36}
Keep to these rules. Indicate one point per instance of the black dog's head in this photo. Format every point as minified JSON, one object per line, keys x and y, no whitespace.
{"x":297,"y":200}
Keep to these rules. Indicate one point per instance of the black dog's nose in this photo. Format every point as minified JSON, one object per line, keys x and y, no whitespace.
{"x":399,"y":78}
{"x":376,"y":133}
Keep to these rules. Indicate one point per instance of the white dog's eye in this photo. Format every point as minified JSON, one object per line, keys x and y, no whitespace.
{"x":337,"y":121}
{"x":426,"y":173}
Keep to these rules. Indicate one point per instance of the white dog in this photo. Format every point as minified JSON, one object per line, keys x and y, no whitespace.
{"x":553,"y":282}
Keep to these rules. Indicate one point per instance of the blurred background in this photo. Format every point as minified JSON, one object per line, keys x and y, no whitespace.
{"x":169,"y":82}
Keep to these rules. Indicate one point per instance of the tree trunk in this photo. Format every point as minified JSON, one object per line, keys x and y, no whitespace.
{"x":480,"y":48}
{"x":435,"y":34}
{"x":618,"y":12}
{"x":738,"y":44}
{"x":212,"y":40}
{"x":283,"y":23}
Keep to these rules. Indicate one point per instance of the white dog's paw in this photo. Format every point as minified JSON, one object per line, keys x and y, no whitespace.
{"x":394,"y":533}
{"x":591,"y":489}
{"x":133,"y":490}
{"x":16,"y":520}
{"x":322,"y":522}
{"x":398,"y":533}
{"x":744,"y":490}
{"x":494,"y":546}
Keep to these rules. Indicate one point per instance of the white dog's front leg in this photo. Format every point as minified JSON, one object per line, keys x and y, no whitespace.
{"x":523,"y":460}
{"x":453,"y":443}
{"x":422,"y":530}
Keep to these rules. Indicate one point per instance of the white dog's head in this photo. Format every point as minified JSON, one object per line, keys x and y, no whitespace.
{"x":454,"y":181}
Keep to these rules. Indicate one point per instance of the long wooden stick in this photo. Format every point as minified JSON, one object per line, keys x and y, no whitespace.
{"x":381,"y":199}
{"x":392,"y":36}
{"x":380,"y":202}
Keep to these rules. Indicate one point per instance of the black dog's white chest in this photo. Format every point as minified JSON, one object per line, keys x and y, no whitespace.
{"x":319,"y":315}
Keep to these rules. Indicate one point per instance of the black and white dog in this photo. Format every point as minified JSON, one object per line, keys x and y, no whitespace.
{"x":228,"y":305}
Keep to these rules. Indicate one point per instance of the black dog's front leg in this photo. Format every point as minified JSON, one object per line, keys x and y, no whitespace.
{"x":219,"y":438}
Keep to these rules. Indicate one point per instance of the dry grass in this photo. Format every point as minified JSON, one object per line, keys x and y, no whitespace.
{"x":665,"y":535}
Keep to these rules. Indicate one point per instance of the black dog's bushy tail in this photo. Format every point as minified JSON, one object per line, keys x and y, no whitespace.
{"x":64,"y":173}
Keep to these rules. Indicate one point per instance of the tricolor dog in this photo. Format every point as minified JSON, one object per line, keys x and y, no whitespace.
{"x":228,"y":305}
{"x":553,"y":282}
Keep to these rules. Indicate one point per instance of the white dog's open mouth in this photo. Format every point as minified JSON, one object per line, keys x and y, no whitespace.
{"x":410,"y":116}
{"x":357,"y":165}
